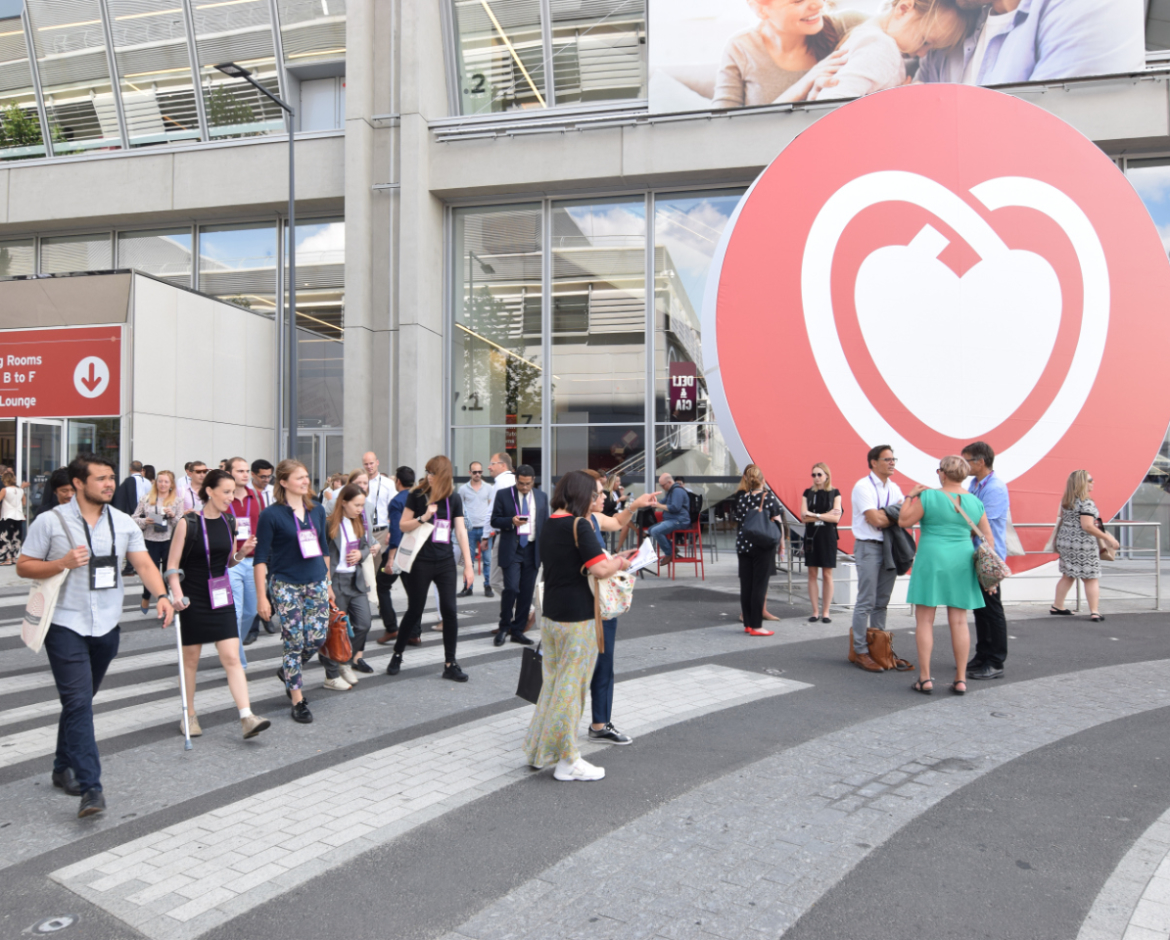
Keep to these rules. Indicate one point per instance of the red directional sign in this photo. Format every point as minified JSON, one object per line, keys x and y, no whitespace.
{"x":931,"y":266}
{"x":67,"y":373}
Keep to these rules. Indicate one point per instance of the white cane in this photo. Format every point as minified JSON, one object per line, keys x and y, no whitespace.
{"x":182,"y":684}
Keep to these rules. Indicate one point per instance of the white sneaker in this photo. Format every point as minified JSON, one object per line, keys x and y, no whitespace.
{"x":581,"y":770}
{"x":348,"y":674}
{"x":337,"y":685}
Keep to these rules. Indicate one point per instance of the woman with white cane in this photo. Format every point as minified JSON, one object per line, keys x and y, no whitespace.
{"x":202,"y":551}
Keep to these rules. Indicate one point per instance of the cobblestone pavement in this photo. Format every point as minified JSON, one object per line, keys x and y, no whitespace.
{"x":773,"y":790}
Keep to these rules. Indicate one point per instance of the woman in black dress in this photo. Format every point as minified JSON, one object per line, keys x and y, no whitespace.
{"x":202,"y":549}
{"x":820,"y":511}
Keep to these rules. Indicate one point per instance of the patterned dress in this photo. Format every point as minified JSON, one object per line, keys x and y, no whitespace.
{"x":570,"y":653}
{"x":1080,"y":555}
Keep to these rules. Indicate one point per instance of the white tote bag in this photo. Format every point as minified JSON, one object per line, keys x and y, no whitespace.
{"x":42,"y":601}
{"x":410,"y":546}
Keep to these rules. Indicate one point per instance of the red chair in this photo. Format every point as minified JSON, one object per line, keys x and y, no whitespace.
{"x":688,"y":549}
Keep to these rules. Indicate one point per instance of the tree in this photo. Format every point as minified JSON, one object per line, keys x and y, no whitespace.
{"x":224,"y":110}
{"x":19,"y":127}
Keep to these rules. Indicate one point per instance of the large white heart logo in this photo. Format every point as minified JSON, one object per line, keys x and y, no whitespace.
{"x":1019,"y":289}
{"x":920,"y":320}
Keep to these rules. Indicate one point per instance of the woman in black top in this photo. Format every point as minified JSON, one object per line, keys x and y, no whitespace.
{"x":820,"y":511}
{"x":568,"y":629}
{"x":435,"y":501}
{"x":755,"y":566}
{"x":202,"y":549}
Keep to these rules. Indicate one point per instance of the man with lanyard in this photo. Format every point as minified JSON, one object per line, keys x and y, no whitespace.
{"x":500,"y":468}
{"x":246,"y":509}
{"x":518,"y":514}
{"x":990,"y":623}
{"x":87,"y":537}
{"x":676,"y":514}
{"x":478,"y":499}
{"x":262,"y":472}
{"x":875,"y":583}
{"x":189,"y":494}
{"x":403,"y":481}
{"x":379,"y":492}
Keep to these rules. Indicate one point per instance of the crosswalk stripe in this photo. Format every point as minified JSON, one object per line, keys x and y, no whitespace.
{"x":188,"y":878}
{"x":37,"y":742}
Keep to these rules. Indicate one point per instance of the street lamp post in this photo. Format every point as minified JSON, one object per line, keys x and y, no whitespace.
{"x":238,"y":71}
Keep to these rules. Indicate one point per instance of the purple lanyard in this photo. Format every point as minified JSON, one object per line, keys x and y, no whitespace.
{"x":308,"y":519}
{"x":878,"y":493}
{"x":981,"y":484}
{"x":514,"y":503}
{"x":207,"y":541}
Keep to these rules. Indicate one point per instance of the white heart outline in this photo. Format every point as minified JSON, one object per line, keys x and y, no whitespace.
{"x":901,"y":186}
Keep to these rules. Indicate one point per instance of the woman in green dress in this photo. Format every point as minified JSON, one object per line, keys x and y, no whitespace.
{"x":944,"y":567}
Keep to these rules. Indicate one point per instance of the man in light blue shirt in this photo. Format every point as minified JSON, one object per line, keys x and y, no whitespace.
{"x":478,"y":498}
{"x":89,"y":539}
{"x":990,"y":622}
{"x":1042,"y":40}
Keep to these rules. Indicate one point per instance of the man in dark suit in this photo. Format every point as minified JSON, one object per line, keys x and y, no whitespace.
{"x":518,"y":514}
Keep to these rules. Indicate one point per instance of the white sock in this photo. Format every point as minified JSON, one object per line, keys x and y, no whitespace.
{"x":245,"y":713}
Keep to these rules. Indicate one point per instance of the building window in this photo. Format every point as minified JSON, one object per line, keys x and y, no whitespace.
{"x":20,"y":124}
{"x":63,"y":254}
{"x":70,"y":49}
{"x":311,"y":31}
{"x":18,"y":256}
{"x":595,"y":52}
{"x":164,"y":253}
{"x":237,"y":263}
{"x":591,"y":409}
{"x":320,"y":323}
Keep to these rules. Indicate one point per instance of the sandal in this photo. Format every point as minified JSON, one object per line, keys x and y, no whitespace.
{"x":1063,"y":611}
{"x":920,"y":686}
{"x":955,"y":687}
{"x":1096,"y":618}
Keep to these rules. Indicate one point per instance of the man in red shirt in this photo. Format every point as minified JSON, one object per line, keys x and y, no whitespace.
{"x":246,"y":508}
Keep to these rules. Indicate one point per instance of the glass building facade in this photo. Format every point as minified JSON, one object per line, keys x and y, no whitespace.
{"x":570,"y":319}
{"x":84,"y":76}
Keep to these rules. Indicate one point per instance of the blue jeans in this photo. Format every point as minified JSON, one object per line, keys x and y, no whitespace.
{"x":486,"y":552}
{"x":79,"y":664}
{"x":601,"y":688}
{"x":662,"y":530}
{"x":244,"y":594}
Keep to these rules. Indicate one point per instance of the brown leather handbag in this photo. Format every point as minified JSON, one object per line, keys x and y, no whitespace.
{"x":337,"y":646}
{"x":881,"y":650}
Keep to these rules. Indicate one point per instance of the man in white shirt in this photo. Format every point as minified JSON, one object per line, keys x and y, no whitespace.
{"x":188,"y":490}
{"x":871,"y":494}
{"x":380,"y":490}
{"x":477,"y":499}
{"x":500,"y":468}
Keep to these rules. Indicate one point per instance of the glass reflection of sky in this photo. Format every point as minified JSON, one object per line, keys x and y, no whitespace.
{"x":252,"y":247}
{"x":1153,"y":185}
{"x":690,"y":228}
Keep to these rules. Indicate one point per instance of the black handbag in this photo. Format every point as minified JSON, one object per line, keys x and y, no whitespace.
{"x":531,"y":674}
{"x":761,"y":533}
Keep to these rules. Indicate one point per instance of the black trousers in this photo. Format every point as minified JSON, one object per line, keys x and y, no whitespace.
{"x":755,"y":571}
{"x":519,"y":585}
{"x":444,"y":576}
{"x":158,"y":552}
{"x":382,"y":584}
{"x":991,"y":634}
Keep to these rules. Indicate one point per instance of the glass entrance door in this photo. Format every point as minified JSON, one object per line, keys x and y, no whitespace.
{"x":320,"y":451}
{"x":40,"y":450}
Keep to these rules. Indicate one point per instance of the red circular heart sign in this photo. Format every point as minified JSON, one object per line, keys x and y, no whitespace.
{"x":932,"y":266}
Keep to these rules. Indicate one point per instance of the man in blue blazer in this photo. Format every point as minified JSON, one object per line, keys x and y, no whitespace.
{"x":518,"y":514}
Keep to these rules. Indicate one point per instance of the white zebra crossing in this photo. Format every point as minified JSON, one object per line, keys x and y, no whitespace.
{"x":188,"y":878}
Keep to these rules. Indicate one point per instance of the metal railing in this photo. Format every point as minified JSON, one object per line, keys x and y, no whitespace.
{"x":791,"y":562}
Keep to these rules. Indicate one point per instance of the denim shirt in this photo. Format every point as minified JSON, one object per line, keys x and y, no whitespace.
{"x":1050,"y":40}
{"x":993,"y":493}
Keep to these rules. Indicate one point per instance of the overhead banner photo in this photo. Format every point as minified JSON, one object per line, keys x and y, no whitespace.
{"x":746,"y":53}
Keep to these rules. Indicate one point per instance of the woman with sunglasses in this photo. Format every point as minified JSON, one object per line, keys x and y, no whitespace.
{"x":944,"y":573}
{"x":1077,"y":533}
{"x":820,"y":511}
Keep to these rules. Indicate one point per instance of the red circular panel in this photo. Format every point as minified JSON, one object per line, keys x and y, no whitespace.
{"x":935,"y":265}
